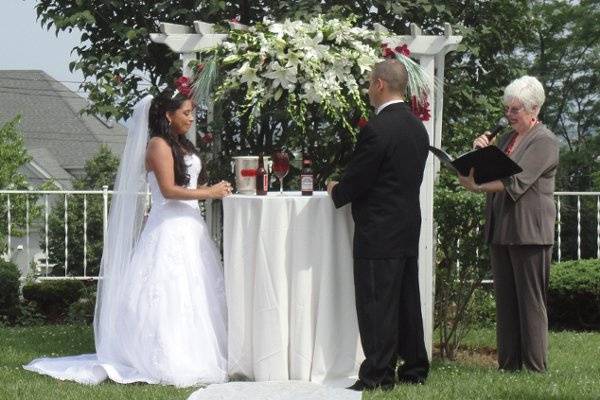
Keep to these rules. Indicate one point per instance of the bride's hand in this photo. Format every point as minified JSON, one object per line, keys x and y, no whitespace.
{"x":220,"y":190}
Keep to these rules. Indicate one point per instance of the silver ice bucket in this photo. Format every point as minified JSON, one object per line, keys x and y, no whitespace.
{"x":245,"y":173}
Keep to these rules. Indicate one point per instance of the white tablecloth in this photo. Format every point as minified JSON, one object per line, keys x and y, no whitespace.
{"x":290,"y":288}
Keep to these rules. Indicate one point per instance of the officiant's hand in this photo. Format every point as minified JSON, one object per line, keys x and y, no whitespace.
{"x":330,"y":186}
{"x":483,"y":140}
{"x":468,"y":182}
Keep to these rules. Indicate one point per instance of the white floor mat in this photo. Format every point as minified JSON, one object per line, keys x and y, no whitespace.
{"x":285,"y":390}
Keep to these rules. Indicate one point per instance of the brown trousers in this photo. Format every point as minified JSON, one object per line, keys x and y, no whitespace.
{"x":521,"y":274}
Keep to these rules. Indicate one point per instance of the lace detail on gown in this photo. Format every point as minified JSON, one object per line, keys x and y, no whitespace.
{"x":172,"y":322}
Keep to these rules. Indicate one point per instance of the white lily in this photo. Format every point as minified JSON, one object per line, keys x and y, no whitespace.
{"x":282,"y":76}
{"x":247,"y":74}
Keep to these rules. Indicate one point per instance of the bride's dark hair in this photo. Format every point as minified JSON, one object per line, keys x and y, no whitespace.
{"x":169,"y":100}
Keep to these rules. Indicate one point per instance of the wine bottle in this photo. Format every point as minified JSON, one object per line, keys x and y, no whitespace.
{"x":262,"y":178}
{"x":306,"y":177}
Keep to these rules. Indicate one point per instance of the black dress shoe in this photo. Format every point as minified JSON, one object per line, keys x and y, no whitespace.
{"x":359,"y":386}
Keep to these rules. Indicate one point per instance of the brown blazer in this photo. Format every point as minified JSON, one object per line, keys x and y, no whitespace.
{"x":525,"y":213}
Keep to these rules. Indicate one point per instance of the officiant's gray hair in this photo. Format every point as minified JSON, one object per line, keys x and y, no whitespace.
{"x":394,"y":73}
{"x":526,"y":89}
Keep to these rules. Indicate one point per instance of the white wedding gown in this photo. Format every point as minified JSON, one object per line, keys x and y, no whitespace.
{"x":172,"y":321}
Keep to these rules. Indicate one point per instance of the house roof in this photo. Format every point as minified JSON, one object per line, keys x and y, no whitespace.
{"x":53,"y":128}
{"x":45,"y":166}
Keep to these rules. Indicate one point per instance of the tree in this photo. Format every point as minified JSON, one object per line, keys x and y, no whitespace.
{"x":101,"y":170}
{"x":566,"y":57}
{"x":13,"y":156}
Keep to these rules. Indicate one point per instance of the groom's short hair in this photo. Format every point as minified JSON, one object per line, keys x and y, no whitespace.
{"x":394,"y":73}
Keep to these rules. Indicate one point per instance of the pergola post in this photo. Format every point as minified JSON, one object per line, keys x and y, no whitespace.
{"x":430,"y":50}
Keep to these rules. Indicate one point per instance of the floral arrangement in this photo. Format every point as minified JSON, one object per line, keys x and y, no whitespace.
{"x":183,"y":86}
{"x":417,"y":86}
{"x":321,"y":62}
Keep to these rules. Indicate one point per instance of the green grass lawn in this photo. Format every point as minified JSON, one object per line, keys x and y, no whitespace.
{"x":574,"y":371}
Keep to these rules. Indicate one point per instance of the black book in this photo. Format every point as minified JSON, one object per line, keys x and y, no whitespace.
{"x":490,"y":163}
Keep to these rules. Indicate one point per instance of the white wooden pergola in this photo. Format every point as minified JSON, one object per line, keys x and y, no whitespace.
{"x":430,"y":51}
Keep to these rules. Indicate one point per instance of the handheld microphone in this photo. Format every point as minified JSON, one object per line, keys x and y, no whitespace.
{"x":500,"y":125}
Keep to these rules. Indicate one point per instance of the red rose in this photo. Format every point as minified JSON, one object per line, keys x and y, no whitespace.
{"x":182,"y":81}
{"x":362,"y":122}
{"x":388,"y":53}
{"x":403,"y":50}
{"x":420,"y":109}
{"x":185,"y":90}
{"x":207,"y":138}
{"x":183,"y":86}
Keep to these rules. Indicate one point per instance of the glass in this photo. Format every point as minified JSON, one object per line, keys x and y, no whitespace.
{"x":512,"y":110}
{"x":281,"y":167}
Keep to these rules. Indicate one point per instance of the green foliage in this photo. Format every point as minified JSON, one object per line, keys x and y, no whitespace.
{"x":101,"y":170}
{"x":9,"y":291}
{"x":29,"y":315}
{"x":567,"y":58}
{"x":82,"y":311}
{"x":13,"y":155}
{"x":574,"y":294}
{"x":461,"y":263}
{"x":482,"y":307}
{"x":53,"y":297}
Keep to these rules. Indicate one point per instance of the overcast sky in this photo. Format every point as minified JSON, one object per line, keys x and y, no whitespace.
{"x":25,"y":45}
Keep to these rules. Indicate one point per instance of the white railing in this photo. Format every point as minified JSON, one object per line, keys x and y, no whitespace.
{"x":569,"y":204}
{"x":561,"y":208}
{"x":45,"y":204}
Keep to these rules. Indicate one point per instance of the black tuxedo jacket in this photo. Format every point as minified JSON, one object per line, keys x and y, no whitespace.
{"x":382,"y":181}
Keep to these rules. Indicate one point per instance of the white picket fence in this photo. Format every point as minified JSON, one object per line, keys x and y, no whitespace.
{"x":567,"y":203}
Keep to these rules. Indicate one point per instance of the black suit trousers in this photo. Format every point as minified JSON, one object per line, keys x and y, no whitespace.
{"x":390,"y":322}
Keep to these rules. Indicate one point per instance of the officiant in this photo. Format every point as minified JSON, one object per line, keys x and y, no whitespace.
{"x":520,"y":216}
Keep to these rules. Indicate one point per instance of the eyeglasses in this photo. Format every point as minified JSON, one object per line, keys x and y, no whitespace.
{"x":512,"y":110}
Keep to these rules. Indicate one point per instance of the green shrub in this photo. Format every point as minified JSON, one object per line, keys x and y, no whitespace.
{"x":29,"y":315}
{"x":482,"y":309}
{"x":9,"y":291}
{"x":53,"y":298}
{"x":574,"y":295}
{"x":82,"y":311}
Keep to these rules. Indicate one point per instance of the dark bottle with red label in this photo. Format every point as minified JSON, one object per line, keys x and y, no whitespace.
{"x":306,"y":177}
{"x":262,"y":178}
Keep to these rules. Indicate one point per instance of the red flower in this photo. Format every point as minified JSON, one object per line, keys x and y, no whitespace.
{"x":420,"y":109}
{"x":388,"y":53}
{"x":207,"y":138}
{"x":183,"y":86}
{"x":391,"y":53}
{"x":403,"y":50}
{"x":362,"y":122}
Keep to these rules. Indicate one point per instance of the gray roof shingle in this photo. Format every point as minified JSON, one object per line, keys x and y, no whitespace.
{"x":51,"y":120}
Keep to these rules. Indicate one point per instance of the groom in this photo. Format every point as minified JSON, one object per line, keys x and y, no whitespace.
{"x":382,"y":182}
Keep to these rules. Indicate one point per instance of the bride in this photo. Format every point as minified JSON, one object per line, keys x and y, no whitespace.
{"x":160,"y":314}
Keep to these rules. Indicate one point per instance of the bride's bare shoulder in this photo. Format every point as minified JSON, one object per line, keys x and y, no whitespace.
{"x":157,"y":152}
{"x":157,"y":142}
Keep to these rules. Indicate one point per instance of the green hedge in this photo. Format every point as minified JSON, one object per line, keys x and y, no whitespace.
{"x":574,"y":295}
{"x":9,"y":291}
{"x":53,"y":298}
